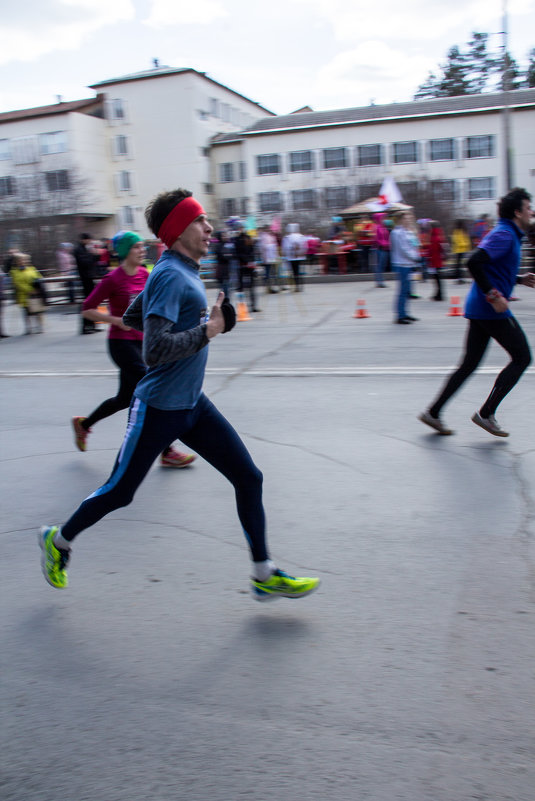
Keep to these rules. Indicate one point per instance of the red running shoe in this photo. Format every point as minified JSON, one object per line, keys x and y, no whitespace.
{"x":174,"y":458}
{"x":80,"y":433}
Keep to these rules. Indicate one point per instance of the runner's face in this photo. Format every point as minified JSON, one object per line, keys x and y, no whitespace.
{"x":195,"y":240}
{"x":137,"y":253}
{"x":523,"y":218}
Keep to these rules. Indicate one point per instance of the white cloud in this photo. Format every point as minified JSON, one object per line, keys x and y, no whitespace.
{"x":372,"y":70}
{"x":57,"y":25}
{"x":184,"y":12}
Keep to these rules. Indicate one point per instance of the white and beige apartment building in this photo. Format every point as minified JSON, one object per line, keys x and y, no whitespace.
{"x":99,"y":161}
{"x":324,"y":162}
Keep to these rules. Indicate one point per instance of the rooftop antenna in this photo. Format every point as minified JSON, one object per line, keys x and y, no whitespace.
{"x":156,"y":62}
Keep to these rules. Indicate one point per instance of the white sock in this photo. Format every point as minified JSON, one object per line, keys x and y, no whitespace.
{"x":263,"y":570}
{"x":59,"y":542}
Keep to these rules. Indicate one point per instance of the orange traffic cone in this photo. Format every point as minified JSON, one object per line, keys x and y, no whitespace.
{"x":242,"y":312}
{"x":361,"y":312}
{"x":102,"y":310}
{"x":455,"y":308}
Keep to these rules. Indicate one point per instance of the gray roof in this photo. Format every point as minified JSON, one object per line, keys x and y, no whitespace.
{"x":158,"y":72}
{"x":393,"y":111}
{"x":88,"y":106}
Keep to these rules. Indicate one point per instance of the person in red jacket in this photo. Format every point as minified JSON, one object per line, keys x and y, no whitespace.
{"x":118,"y":288}
{"x":437,"y":247}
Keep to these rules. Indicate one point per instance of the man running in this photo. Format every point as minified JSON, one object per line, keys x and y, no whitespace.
{"x":169,"y":404}
{"x":494,"y":265}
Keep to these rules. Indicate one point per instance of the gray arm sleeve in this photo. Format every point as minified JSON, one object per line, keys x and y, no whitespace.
{"x":133,"y":316}
{"x":161,"y":346}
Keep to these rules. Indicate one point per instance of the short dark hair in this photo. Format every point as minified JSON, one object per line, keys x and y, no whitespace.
{"x":161,"y":206}
{"x":85,"y":236}
{"x":512,"y":202}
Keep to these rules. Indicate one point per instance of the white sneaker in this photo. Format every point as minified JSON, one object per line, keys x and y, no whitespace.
{"x":435,"y":422}
{"x":490,"y":424}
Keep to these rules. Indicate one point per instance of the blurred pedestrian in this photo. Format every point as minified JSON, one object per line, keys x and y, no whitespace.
{"x":225,"y":254}
{"x":3,"y":280}
{"x":67,"y":268}
{"x":294,"y":249}
{"x":437,"y":251}
{"x":268,"y":249}
{"x":244,"y":248}
{"x":460,"y":247}
{"x":405,"y":257}
{"x":169,"y":402}
{"x":86,"y":259}
{"x":382,"y":247}
{"x":118,"y":288}
{"x":494,"y":267}
{"x":29,"y":292}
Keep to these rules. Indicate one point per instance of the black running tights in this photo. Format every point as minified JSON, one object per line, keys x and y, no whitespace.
{"x":126,"y":353}
{"x":507,"y":333}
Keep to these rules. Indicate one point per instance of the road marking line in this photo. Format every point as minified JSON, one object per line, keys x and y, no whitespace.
{"x":274,"y":372}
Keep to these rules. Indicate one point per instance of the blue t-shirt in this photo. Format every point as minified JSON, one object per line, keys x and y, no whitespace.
{"x":175,"y":291}
{"x":503,"y":247}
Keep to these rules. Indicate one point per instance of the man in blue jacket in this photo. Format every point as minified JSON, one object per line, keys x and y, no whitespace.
{"x":494,"y":266}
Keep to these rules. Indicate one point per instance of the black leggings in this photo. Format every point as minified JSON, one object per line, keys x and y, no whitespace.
{"x":127,"y":355}
{"x":507,"y":333}
{"x":202,"y":428}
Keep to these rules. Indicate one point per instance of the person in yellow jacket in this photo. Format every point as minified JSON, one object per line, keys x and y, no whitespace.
{"x":25,"y":279}
{"x":460,"y":246}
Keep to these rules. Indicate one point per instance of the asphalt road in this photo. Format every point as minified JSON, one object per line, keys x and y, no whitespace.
{"x":409,"y":675}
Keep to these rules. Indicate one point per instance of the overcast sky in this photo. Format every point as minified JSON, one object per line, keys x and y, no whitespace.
{"x":283,"y":54}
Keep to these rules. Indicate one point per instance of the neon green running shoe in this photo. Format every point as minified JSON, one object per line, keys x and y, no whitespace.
{"x":53,"y":560}
{"x":281,"y":585}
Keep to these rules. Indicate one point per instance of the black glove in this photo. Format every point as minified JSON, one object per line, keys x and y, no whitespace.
{"x":229,"y":314}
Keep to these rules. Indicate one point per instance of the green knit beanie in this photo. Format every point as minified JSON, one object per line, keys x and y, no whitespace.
{"x":124,"y":241}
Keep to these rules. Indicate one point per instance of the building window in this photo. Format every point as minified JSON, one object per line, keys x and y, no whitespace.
{"x":366,"y":191}
{"x":334,"y":158}
{"x":242,"y":169}
{"x":225,"y":112}
{"x":125,"y":181}
{"x":409,"y":191}
{"x":441,"y":149}
{"x":303,"y":199}
{"x":25,"y":150}
{"x":269,"y":201}
{"x":7,"y":186}
{"x":268,"y":164}
{"x":443,"y":190}
{"x":336,"y":197}
{"x":479,"y":147}
{"x":209,"y":189}
{"x":244,"y":206}
{"x":117,"y":109}
{"x":480,"y":188}
{"x":57,"y":180}
{"x":226,"y":172}
{"x":228,"y":207}
{"x":127,"y":217}
{"x":55,"y":142}
{"x":404,"y":152}
{"x":120,"y":145}
{"x":369,"y":155}
{"x":214,"y":107}
{"x":301,"y":161}
{"x":4,"y":150}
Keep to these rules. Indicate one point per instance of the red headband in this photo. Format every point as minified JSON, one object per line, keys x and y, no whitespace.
{"x":178,"y":220}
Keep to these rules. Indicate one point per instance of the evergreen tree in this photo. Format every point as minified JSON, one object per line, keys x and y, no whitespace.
{"x":455,"y":80}
{"x":470,"y":71}
{"x":530,"y":72}
{"x":511,"y":77}
{"x":479,"y":63}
